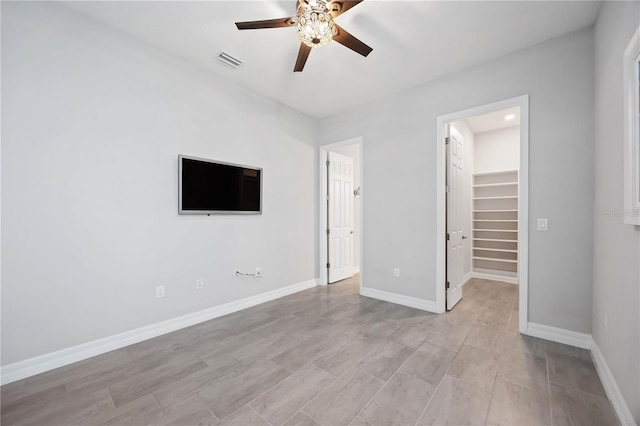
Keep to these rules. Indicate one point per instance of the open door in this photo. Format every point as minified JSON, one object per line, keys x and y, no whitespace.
{"x":339,"y":217}
{"x":454,"y":194}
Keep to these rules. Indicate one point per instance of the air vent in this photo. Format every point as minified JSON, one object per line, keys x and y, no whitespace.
{"x":229,"y":60}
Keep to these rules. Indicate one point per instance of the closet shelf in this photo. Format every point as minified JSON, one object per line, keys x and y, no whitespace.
{"x":497,"y":240}
{"x":505,"y":172}
{"x":493,"y":259}
{"x":492,"y":185}
{"x":494,"y":197}
{"x":495,"y":249}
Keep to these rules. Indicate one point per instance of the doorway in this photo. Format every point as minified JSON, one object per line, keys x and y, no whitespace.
{"x":483,"y":200}
{"x":340,"y":213}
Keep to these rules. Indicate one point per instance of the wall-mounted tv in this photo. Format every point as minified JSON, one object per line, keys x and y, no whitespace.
{"x":214,"y":187}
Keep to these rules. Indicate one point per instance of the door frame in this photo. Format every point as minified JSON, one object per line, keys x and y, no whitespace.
{"x":322,"y":207}
{"x":523,"y":200}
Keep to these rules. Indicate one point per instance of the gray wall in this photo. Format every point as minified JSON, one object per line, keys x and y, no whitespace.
{"x":399,"y":137}
{"x":617,"y":246}
{"x":92,"y":125}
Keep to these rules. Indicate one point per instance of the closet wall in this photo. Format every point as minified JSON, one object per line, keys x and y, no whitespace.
{"x":494,"y":213}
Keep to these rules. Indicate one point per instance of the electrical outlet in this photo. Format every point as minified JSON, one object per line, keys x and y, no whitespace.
{"x":606,"y":321}
{"x":160,"y":291}
{"x":258,"y":271}
{"x":396,"y":272}
{"x":199,"y":283}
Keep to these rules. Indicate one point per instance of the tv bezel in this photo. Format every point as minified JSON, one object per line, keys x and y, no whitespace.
{"x":210,"y":212}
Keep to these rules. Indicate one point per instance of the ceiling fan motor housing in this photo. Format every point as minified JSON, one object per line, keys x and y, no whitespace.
{"x":315,"y":24}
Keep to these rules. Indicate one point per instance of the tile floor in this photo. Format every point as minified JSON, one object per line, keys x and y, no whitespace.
{"x":329,"y":356}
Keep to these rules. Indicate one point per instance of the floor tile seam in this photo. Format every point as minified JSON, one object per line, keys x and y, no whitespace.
{"x":113,"y":402}
{"x":493,"y":391}
{"x":293,"y":415}
{"x":351,"y":366}
{"x":364,"y":407}
{"x":522,"y":385}
{"x":281,"y":381}
{"x":235,"y":354}
{"x":115,"y":407}
{"x":162,"y":409}
{"x":338,"y":378}
{"x":306,"y":414}
{"x":511,"y":313}
{"x":435,"y":391}
{"x":412,"y":375}
{"x":548,"y":386}
{"x":220,"y":420}
{"x":579,"y":391}
{"x":386,"y":340}
{"x":259,"y":415}
{"x":491,"y":355}
{"x":197,"y":396}
{"x":199,"y":392}
{"x":310,"y":362}
{"x":524,"y":353}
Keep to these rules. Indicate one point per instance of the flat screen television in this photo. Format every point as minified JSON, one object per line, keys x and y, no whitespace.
{"x":214,"y":187}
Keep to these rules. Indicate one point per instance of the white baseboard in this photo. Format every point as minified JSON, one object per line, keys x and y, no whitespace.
{"x":399,"y":299}
{"x":39,"y":364}
{"x":467,"y":277}
{"x":611,"y":387}
{"x":560,"y":335}
{"x":356,"y":269}
{"x":492,"y":277}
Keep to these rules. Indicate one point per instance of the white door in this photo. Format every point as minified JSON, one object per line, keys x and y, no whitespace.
{"x":340,"y":217}
{"x":455,"y":252}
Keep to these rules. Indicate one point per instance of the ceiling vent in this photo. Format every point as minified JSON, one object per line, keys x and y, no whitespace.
{"x":229,"y":60}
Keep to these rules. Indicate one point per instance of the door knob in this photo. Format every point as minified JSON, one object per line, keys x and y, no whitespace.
{"x":351,"y":232}
{"x":464,"y":237}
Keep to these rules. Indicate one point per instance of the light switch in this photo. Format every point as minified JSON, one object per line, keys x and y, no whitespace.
{"x":543,"y":224}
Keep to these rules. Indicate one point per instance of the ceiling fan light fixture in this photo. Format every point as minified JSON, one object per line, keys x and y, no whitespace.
{"x":315,"y":26}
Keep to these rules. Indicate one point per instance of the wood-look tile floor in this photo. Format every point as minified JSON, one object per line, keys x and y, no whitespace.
{"x":327,"y":356}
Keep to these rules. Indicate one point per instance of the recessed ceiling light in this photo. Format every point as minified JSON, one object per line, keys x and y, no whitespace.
{"x":509,"y":117}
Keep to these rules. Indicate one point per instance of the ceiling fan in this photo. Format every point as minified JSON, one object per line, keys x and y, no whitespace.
{"x":315,"y":25}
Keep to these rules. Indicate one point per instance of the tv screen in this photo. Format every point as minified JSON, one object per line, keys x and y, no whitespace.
{"x":214,"y":187}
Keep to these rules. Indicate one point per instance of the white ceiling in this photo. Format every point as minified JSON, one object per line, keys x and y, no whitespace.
{"x":494,"y":120}
{"x":413,"y":42}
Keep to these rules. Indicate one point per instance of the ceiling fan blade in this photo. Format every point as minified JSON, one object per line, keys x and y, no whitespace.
{"x":303,"y":54}
{"x":347,"y":40}
{"x":269,"y":23}
{"x":338,"y":7}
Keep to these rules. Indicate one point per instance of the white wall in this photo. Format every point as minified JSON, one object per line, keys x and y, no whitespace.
{"x":399,"y":134}
{"x":469,"y":140}
{"x":353,"y":152}
{"x":92,"y":125}
{"x":497,"y":150}
{"x":616,"y":263}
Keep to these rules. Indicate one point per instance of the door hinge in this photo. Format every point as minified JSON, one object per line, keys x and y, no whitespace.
{"x":328,"y":231}
{"x":328,"y":265}
{"x":447,"y":188}
{"x":448,"y":285}
{"x":446,"y":141}
{"x":328,"y":162}
{"x":327,"y":197}
{"x":448,"y":237}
